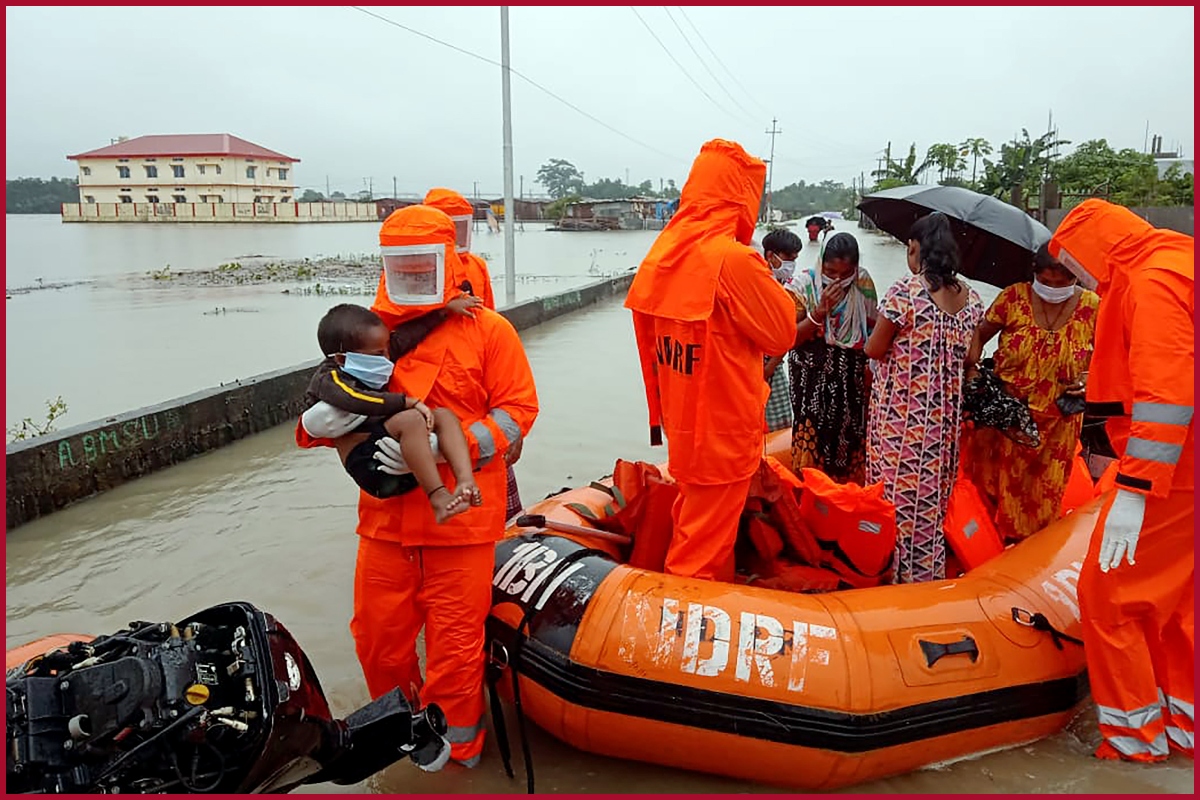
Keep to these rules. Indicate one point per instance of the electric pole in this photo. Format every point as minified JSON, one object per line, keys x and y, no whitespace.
{"x":771,"y":167}
{"x":393,"y":187}
{"x":326,"y":187}
{"x":510,"y":244}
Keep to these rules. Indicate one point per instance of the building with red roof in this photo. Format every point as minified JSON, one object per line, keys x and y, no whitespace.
{"x":185,"y":168}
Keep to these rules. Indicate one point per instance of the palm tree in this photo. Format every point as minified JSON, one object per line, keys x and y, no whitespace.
{"x":947,"y":160}
{"x":975,"y":148}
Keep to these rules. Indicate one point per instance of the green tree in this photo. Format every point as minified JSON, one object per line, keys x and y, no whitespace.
{"x":558,"y":209}
{"x":803,"y":198}
{"x":947,"y":159}
{"x":560,"y":178}
{"x":310,"y":196}
{"x":1127,"y":176}
{"x":976,"y":148}
{"x":900,"y":173}
{"x":38,"y":196}
{"x":1023,"y":163}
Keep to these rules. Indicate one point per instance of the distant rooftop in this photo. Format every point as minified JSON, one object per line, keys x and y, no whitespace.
{"x":187,"y":144}
{"x":1186,"y":165}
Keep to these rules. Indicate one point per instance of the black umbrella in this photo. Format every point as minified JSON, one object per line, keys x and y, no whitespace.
{"x":996,"y":241}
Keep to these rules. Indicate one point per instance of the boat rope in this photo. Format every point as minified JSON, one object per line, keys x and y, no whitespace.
{"x":1039,"y":622}
{"x":496,"y":666}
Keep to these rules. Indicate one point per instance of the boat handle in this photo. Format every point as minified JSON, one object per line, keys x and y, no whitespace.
{"x":934,"y":650}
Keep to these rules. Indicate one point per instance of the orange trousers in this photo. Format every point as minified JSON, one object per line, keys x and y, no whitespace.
{"x":705,"y":522}
{"x":1139,"y":635}
{"x":448,"y":591}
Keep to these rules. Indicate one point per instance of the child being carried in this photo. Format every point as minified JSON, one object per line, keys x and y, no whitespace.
{"x":345,"y":401}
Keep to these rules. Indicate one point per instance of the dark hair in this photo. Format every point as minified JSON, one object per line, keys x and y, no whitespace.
{"x":841,"y":245}
{"x":343,"y":328}
{"x":939,"y":250}
{"x":782,"y":240}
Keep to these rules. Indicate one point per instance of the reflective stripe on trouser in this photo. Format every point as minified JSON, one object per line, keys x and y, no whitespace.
{"x":448,"y":591}
{"x":705,"y":528}
{"x":1138,"y":631}
{"x":463,"y":737}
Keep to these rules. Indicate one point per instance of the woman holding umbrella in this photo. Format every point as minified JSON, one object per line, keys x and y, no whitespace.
{"x":1046,"y":328}
{"x":920,"y":342}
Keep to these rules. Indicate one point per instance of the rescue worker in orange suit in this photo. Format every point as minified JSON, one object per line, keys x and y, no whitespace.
{"x":412,"y":573}
{"x":459,"y":209}
{"x":706,"y":311}
{"x":1136,"y":589}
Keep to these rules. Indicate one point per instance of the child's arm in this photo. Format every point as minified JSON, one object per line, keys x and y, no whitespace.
{"x":408,"y":335}
{"x":343,"y":392}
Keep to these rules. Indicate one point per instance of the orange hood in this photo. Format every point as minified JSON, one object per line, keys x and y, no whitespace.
{"x":717,"y":210}
{"x":1108,"y":240}
{"x":449,"y":202}
{"x":418,"y":224}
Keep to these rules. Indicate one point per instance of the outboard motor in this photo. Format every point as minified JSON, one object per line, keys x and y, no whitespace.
{"x":224,"y":701}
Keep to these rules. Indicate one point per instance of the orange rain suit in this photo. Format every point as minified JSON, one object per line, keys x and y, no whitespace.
{"x":412,"y":573}
{"x":1139,"y":620}
{"x":706,"y":309}
{"x":455,"y":205}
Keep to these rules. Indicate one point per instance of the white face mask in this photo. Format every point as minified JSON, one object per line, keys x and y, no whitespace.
{"x":785,"y":270}
{"x":1053,"y":294}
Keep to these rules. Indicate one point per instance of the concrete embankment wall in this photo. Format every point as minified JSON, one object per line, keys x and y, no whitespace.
{"x":50,"y":472}
{"x":1175,"y":218}
{"x":220,"y":212}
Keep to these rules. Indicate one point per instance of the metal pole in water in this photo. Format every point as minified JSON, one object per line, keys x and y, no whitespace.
{"x":510,"y":208}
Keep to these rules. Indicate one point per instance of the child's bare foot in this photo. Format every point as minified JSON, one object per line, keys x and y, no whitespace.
{"x":466,"y":491}
{"x":446,"y":505}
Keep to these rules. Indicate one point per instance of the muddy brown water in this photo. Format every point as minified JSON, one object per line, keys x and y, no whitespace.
{"x":264,"y":522}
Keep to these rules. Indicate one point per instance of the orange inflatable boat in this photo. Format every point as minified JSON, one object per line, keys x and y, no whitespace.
{"x":807,"y":691}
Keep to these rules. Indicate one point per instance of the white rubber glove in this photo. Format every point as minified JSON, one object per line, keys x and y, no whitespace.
{"x":1121,"y":529}
{"x":388,"y":454}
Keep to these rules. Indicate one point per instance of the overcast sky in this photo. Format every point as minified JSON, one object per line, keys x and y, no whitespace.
{"x":353,"y":96}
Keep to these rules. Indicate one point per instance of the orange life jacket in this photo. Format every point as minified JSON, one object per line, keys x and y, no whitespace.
{"x":969,"y":528}
{"x":854,"y":526}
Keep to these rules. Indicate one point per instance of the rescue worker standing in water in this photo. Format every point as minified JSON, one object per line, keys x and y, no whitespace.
{"x":413,"y":574}
{"x":706,"y":311}
{"x":459,"y":209}
{"x":1136,"y":591}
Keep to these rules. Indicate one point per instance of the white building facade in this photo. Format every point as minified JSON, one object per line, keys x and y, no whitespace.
{"x":190,"y":168}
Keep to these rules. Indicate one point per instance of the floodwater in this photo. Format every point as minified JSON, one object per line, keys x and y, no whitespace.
{"x":112,"y":340}
{"x":264,"y":522}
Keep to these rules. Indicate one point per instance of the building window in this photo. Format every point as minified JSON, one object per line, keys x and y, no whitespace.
{"x":200,"y":169}
{"x":250,"y":172}
{"x":282,"y":174}
{"x":177,"y":169}
{"x":152,"y":198}
{"x":88,"y":199}
{"x":123,"y":172}
{"x":126,"y":198}
{"x":180,"y":198}
{"x":218,"y":169}
{"x":151,"y":171}
{"x":85,"y":170}
{"x":285,"y":199}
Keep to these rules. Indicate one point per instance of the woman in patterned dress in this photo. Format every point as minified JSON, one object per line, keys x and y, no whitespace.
{"x":836,"y":310}
{"x":780,"y":248}
{"x":1046,"y":331}
{"x":920,"y":343}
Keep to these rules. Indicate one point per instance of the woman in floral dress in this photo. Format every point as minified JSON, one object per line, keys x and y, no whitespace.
{"x":920,"y":343}
{"x":1046,"y":329}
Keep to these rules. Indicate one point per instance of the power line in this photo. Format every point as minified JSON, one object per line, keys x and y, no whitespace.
{"x":686,"y":74}
{"x":718,"y":60}
{"x":704,"y":64}
{"x":523,"y":77}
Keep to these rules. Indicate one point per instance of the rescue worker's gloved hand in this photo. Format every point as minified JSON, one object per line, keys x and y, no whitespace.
{"x":391,"y":459}
{"x":1121,"y":529}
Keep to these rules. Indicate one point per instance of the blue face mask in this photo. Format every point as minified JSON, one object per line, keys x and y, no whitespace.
{"x":374,"y":371}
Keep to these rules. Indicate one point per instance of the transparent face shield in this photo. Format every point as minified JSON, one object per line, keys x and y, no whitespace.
{"x":1086,"y":280}
{"x":415,"y":275}
{"x":462,"y":232}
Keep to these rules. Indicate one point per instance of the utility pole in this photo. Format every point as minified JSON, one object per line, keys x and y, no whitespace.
{"x":627,"y":176}
{"x":510,"y":275}
{"x":522,"y":187}
{"x":326,"y":187}
{"x":393,"y":187}
{"x":771,"y":167}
